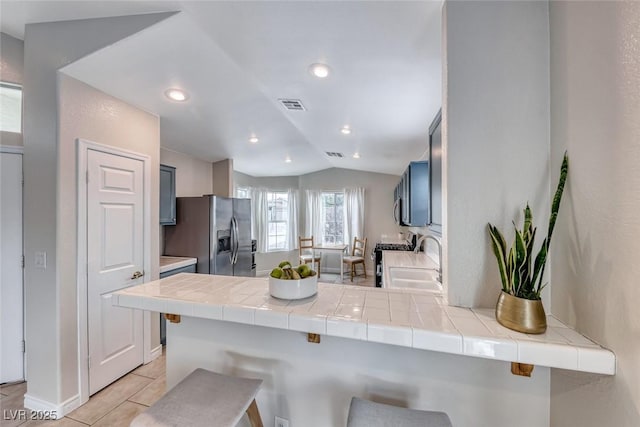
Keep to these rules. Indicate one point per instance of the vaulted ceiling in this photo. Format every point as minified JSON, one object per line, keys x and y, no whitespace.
{"x":237,"y":59}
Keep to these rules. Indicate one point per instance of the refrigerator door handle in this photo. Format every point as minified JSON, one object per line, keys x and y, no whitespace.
{"x":237,"y":241}
{"x":234,"y":240}
{"x":232,"y":251}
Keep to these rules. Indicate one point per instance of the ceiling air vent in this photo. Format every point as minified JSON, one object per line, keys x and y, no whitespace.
{"x":333,"y":154}
{"x":292,"y":104}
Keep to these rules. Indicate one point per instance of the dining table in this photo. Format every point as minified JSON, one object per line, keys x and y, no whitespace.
{"x":341,"y":248}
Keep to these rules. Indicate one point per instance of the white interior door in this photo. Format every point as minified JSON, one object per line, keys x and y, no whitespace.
{"x":115,"y":254}
{"x":11,"y":289}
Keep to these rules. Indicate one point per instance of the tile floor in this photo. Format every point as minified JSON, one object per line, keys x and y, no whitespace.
{"x":115,"y":405}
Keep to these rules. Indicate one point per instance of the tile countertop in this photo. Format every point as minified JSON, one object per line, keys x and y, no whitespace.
{"x":168,"y":263}
{"x":390,"y":316}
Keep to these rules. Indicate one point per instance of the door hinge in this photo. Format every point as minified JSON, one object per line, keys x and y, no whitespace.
{"x":24,"y":346}
{"x":87,"y":177}
{"x":22,"y":262}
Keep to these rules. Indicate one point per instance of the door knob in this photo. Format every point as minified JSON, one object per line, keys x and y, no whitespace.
{"x":137,"y":275}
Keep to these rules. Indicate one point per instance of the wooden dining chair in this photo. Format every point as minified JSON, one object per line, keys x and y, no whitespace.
{"x":358,"y":250}
{"x":305,"y":245}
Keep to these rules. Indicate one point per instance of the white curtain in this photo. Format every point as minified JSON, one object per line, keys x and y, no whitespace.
{"x":292,"y":241}
{"x":353,"y":215}
{"x":259,"y":217}
{"x":314,"y":217}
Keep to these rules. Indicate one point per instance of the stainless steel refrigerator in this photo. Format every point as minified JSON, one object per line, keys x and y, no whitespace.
{"x":217,"y":231}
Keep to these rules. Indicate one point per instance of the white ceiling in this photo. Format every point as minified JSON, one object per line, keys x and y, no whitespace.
{"x":236,"y":59}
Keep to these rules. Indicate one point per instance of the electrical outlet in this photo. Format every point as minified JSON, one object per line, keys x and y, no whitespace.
{"x":40,"y":260}
{"x":281,"y":422}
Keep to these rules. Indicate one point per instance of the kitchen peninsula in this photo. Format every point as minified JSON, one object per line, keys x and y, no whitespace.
{"x":406,"y":347}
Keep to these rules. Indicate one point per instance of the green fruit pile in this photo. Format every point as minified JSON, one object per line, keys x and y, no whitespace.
{"x":284,"y":271}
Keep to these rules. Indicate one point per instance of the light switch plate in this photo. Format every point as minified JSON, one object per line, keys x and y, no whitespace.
{"x":40,"y":259}
{"x":281,"y":422}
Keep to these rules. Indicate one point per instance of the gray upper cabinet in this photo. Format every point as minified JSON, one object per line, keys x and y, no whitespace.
{"x":435,"y":181}
{"x":167,"y":195}
{"x":411,"y":196}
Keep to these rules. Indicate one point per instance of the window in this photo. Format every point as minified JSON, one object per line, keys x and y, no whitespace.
{"x":242,"y":192}
{"x":278,"y":220}
{"x":10,"y":108}
{"x":333,"y":217}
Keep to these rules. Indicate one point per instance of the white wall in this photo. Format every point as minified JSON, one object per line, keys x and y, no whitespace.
{"x":51,"y":324}
{"x":311,"y":385}
{"x":11,"y":71}
{"x":595,"y":114}
{"x":81,"y":114}
{"x":495,"y":136}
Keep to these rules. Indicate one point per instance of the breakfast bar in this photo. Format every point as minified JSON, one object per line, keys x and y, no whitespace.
{"x":398,"y":345}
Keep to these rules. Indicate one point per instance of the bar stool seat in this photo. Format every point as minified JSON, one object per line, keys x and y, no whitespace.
{"x":364,"y":413}
{"x":204,"y":398}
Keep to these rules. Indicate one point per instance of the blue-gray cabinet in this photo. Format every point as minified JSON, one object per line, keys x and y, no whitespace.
{"x":435,"y":175}
{"x":163,"y":321}
{"x":167,"y":195}
{"x":411,"y":196}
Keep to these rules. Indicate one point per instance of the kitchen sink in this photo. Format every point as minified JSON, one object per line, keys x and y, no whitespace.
{"x":408,"y":273}
{"x":414,"y":278}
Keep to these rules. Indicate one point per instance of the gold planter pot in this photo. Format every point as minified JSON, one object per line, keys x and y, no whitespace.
{"x":520,"y":314}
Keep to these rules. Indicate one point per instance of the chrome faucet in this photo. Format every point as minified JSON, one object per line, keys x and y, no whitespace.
{"x":424,"y":238}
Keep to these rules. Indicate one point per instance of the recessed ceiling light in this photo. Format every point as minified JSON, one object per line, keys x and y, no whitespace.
{"x":287,"y":160}
{"x":346,"y":130}
{"x":176,"y":95}
{"x":356,"y":155}
{"x":319,"y":70}
{"x":253,"y":139}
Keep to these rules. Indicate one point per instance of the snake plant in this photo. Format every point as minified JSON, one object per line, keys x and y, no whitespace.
{"x":521,"y":275}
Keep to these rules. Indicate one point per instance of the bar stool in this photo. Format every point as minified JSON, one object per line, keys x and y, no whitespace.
{"x":204,"y":398}
{"x":364,"y":413}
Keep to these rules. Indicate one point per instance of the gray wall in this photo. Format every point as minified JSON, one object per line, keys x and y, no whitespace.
{"x":272,"y":182}
{"x":378,"y":219}
{"x":595,"y":114}
{"x":11,"y":71}
{"x":223,"y":178}
{"x":265,"y":262}
{"x":194,"y":177}
{"x":378,"y":205}
{"x":495,"y":134}
{"x":51,"y":324}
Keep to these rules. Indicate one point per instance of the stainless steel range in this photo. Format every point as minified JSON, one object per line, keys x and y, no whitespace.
{"x":377,"y":254}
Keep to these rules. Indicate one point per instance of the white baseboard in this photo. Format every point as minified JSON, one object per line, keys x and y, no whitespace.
{"x":155,"y":353}
{"x":52,"y":410}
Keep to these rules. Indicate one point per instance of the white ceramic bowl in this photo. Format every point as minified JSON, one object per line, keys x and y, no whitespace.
{"x":293,"y":289}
